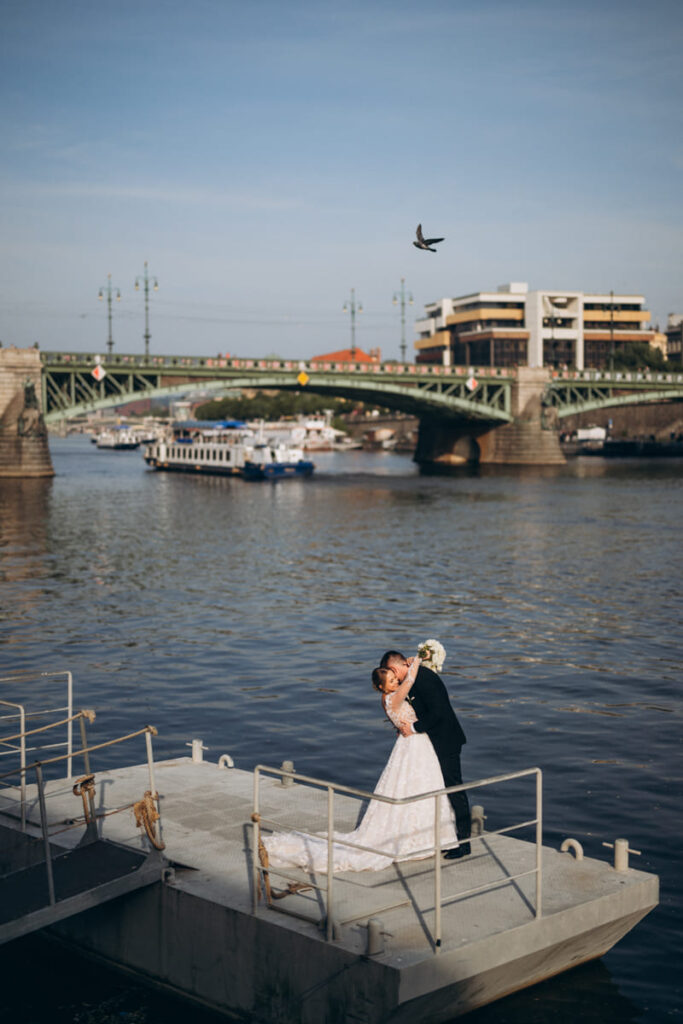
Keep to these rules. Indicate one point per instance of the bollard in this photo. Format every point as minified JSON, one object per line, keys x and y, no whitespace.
{"x":375,"y":936}
{"x":197,"y":751}
{"x":287,"y":766}
{"x":621,"y":854}
{"x":478,"y":818}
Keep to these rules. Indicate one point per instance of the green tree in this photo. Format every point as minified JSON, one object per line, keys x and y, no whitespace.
{"x":635,"y":355}
{"x":272,"y":406}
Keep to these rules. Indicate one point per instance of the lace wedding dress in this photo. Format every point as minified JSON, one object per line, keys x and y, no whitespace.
{"x":400,"y":832}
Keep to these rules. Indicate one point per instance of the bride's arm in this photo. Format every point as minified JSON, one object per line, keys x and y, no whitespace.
{"x":399,"y":695}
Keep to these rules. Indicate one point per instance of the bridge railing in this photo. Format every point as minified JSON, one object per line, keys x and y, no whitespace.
{"x":619,"y":376}
{"x":160,"y":363}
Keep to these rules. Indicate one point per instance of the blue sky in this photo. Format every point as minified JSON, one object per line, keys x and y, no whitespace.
{"x":266,"y":157}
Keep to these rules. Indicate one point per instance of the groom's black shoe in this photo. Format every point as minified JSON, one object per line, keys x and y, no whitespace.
{"x":464,"y":850}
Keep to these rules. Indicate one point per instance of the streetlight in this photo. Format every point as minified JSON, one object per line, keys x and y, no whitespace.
{"x":145,"y":280}
{"x":107,"y":290}
{"x":402,"y":300}
{"x":351,"y":307}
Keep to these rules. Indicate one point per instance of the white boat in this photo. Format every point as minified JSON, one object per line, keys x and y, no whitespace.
{"x":120,"y":438}
{"x":227,"y":449}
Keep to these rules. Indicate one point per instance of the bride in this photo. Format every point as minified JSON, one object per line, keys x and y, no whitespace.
{"x":399,"y":831}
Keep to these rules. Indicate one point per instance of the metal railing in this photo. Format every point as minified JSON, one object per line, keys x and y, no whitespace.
{"x":85,"y":751}
{"x":23,"y":715}
{"x":436,"y":795}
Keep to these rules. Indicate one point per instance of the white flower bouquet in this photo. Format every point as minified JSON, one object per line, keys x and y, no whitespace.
{"x":432,"y":654}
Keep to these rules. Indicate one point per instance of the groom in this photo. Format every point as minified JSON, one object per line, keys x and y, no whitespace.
{"x":436,"y":717}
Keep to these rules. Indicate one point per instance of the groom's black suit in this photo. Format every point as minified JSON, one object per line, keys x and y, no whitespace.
{"x":436,"y":717}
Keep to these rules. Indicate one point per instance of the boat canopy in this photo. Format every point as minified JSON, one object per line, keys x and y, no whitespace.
{"x":209,"y":425}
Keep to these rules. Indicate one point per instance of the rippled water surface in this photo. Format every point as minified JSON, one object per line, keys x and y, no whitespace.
{"x":250,"y":615}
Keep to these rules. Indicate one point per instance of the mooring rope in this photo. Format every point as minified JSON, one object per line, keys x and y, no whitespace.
{"x":146,"y":814}
{"x":85,"y":787}
{"x":272,"y":894}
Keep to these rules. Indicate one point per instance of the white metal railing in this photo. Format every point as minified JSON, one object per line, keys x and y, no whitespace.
{"x":436,"y":795}
{"x":7,"y":749}
{"x":89,"y":816}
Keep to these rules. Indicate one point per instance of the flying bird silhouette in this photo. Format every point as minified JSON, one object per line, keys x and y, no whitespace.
{"x":425,"y":243}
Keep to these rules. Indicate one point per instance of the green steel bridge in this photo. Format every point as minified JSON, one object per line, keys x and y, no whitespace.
{"x":76,"y":383}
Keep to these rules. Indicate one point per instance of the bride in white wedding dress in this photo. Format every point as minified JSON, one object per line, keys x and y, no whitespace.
{"x":399,"y":831}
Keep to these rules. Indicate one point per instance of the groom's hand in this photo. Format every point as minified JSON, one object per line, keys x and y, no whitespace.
{"x":405,"y":730}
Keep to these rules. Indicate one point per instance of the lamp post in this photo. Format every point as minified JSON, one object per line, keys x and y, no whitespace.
{"x":108,"y":291}
{"x":155,"y":285}
{"x":401,"y":297}
{"x":351,"y":308}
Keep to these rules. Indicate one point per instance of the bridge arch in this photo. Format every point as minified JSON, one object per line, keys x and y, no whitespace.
{"x":447,"y":397}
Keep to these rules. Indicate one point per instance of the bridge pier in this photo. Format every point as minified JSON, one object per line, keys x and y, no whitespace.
{"x":24,"y":450}
{"x":527,"y":441}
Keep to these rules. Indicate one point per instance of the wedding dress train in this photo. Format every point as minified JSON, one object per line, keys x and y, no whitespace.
{"x":399,"y":831}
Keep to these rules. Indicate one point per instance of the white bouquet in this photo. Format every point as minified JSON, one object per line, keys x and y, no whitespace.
{"x":432,"y":654}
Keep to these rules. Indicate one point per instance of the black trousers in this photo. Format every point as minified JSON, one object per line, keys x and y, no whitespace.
{"x":452,"y":776}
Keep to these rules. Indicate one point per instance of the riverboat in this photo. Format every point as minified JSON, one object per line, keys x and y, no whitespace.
{"x":174,"y":887}
{"x":118,"y":439}
{"x":227,"y":448}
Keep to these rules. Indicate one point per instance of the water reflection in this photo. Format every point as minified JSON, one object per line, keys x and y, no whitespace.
{"x":24,"y":555}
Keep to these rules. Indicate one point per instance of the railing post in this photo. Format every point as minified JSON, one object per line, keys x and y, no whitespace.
{"x":70,"y":724}
{"x":22,"y":756}
{"x":330,"y":861}
{"x":22,"y":763}
{"x":437,"y":873}
{"x":86,"y":765}
{"x":46,"y":838}
{"x":256,"y":874}
{"x":84,"y":746}
{"x":539,"y":843}
{"x":152,"y":784}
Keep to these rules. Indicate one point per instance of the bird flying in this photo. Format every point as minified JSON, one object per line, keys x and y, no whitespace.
{"x":425,"y":243}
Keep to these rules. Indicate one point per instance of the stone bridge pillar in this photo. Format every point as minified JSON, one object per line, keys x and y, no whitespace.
{"x":24,"y":450}
{"x":530,"y":440}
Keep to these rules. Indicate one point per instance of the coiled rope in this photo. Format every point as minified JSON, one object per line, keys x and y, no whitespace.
{"x":85,"y":788}
{"x":270,"y":893}
{"x":146,"y":814}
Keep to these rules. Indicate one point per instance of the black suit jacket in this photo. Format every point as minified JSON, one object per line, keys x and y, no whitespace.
{"x":435,"y":716}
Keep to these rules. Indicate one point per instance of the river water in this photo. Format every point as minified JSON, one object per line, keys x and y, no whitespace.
{"x":251,"y":615}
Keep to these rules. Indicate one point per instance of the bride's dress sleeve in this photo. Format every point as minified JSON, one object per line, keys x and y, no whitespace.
{"x":403,"y":716}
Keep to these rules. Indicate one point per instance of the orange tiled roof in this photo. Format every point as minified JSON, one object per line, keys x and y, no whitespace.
{"x":344,"y":356}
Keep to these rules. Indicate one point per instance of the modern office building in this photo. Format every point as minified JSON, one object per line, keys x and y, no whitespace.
{"x":517,"y":327}
{"x":674,"y":337}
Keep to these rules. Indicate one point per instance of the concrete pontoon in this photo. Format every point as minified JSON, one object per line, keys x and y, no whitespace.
{"x":425,"y":940}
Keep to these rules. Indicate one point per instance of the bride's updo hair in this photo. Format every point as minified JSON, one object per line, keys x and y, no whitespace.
{"x":379,"y":677}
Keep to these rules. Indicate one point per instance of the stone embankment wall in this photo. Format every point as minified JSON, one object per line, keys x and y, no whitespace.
{"x":659,"y":420}
{"x":24,"y":450}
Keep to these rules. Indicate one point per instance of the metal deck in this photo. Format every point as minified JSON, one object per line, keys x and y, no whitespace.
{"x":84,"y":877}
